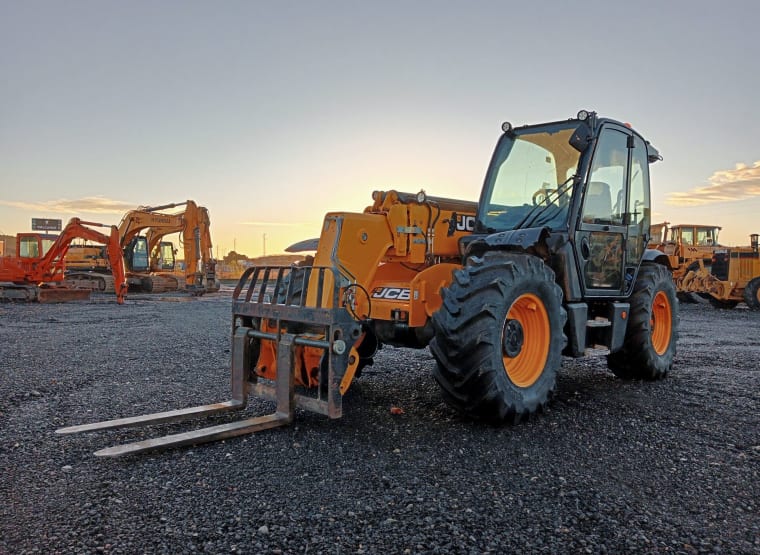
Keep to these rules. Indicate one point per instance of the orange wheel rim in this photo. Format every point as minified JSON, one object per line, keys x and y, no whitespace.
{"x":528,"y":315}
{"x":661,"y":323}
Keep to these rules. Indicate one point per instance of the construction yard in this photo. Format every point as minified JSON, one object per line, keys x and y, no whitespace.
{"x":671,"y":466}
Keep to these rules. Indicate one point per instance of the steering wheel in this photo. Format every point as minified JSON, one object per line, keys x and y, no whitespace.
{"x":542,"y":196}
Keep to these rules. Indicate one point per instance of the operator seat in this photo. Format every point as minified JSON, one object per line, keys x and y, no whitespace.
{"x":598,"y":207}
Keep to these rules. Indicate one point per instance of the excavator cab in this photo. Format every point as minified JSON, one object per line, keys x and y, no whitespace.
{"x":136,"y":255}
{"x":34,"y":245}
{"x":166,"y":256}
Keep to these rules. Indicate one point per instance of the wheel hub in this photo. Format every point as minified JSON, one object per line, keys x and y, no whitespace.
{"x":513,"y":338}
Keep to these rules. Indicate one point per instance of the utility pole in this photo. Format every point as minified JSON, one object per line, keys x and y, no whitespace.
{"x":265,"y":244}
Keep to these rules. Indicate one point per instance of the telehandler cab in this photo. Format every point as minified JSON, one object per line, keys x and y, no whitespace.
{"x":551,"y":261}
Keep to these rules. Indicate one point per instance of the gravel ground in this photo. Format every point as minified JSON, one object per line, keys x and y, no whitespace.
{"x":612,"y":467}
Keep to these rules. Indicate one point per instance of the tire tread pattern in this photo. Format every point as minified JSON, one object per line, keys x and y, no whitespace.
{"x":638,"y":359}
{"x":467,"y":343}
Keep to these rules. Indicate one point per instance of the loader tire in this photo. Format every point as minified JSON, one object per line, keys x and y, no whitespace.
{"x":685,"y":297}
{"x":650,"y":338}
{"x":752,"y":294}
{"x":499,"y":337}
{"x":723,"y":305}
{"x":295,"y":275}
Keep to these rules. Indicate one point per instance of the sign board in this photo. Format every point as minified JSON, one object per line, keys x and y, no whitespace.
{"x":45,"y":224}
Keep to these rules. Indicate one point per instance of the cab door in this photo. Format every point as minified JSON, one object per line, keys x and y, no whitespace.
{"x":601,"y":231}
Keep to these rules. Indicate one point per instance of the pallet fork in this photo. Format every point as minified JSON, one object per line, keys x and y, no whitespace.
{"x":254,"y":302}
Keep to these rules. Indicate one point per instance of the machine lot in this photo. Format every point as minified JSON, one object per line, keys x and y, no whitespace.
{"x":612,"y":466}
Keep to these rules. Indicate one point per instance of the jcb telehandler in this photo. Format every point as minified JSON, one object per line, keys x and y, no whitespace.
{"x":551,"y":261}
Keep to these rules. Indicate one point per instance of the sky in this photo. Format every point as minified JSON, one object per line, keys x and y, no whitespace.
{"x":271,"y":114}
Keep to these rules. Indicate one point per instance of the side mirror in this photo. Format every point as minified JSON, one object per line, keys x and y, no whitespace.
{"x":653,"y":154}
{"x":581,"y":138}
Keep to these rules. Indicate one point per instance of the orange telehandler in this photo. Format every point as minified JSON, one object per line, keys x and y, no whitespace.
{"x":551,"y":261}
{"x":150,"y":261}
{"x":36,"y":273}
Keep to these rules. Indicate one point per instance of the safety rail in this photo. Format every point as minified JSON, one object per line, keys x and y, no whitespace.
{"x":264,"y":284}
{"x":304,"y":302}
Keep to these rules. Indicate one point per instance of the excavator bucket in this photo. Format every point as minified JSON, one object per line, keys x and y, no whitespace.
{"x":259,"y":315}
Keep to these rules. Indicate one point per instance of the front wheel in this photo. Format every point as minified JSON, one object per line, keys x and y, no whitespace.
{"x":650,"y":338}
{"x":498,"y":337}
{"x":752,"y":294}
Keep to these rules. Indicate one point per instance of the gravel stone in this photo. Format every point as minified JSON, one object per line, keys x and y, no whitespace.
{"x":611,"y":467}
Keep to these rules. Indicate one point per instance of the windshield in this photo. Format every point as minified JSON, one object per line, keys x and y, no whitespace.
{"x":530,"y":180}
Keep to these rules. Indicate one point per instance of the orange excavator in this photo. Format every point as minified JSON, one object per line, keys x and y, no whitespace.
{"x":150,"y":261}
{"x":37,"y":272}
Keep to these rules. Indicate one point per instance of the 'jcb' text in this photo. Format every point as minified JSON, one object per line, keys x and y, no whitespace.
{"x":465,"y":223}
{"x":391,"y":293}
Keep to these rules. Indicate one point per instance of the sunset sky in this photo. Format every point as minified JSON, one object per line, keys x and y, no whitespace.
{"x":272,"y":113}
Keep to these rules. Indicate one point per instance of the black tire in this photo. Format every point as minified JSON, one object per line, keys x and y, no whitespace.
{"x":721,"y":304}
{"x":752,"y":294}
{"x":473,"y":336}
{"x":688,"y":297}
{"x":296,"y":276}
{"x":652,"y":332}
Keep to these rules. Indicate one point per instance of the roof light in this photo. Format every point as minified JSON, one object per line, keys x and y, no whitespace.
{"x":583,"y":115}
{"x":506,"y":127}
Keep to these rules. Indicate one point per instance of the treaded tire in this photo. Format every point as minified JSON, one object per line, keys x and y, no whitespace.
{"x":296,"y":273}
{"x":470,"y":329}
{"x":752,"y":294}
{"x":649,"y":346}
{"x":723,"y":305}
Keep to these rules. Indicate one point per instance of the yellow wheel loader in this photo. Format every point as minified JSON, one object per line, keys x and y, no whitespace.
{"x":732,"y":277}
{"x":551,"y":261}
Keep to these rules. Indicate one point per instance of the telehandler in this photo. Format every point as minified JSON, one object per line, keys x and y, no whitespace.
{"x":551,"y":261}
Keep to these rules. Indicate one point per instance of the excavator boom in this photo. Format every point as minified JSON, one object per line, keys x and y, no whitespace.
{"x":35,"y":276}
{"x":140,"y":235}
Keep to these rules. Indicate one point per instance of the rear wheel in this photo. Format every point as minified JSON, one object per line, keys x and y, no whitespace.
{"x":498,"y":337}
{"x":650,"y":338}
{"x":752,"y":294}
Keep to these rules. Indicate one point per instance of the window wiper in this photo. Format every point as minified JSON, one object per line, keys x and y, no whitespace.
{"x":540,"y":209}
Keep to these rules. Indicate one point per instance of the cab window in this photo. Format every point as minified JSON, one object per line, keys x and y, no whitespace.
{"x":605,"y":194}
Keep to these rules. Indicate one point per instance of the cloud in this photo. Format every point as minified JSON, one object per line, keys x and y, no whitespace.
{"x":741,"y":183}
{"x":94,"y":205}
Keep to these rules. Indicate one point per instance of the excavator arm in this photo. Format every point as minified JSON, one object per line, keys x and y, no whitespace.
{"x":50,"y":267}
{"x":193,"y":223}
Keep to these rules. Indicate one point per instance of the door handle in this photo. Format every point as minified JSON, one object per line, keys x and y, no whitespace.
{"x":585,"y":248}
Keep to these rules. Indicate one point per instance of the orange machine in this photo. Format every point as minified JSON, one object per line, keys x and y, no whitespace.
{"x":685,"y":245}
{"x":37,"y":270}
{"x":150,"y":261}
{"x":732,"y":277}
{"x":551,"y":261}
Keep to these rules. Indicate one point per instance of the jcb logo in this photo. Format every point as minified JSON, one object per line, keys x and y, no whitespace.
{"x":465,"y":223}
{"x":391,"y":293}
